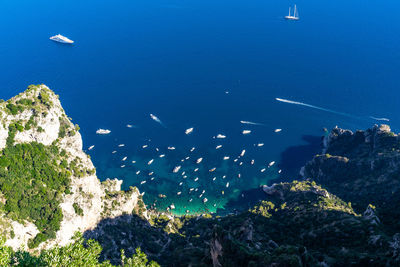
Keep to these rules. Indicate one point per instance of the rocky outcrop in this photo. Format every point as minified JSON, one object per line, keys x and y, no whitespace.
{"x":358,"y":165}
{"x":48,"y":124}
{"x":370,"y":215}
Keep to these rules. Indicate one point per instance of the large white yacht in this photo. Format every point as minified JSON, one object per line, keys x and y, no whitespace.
{"x":61,"y":39}
{"x":295,"y":15}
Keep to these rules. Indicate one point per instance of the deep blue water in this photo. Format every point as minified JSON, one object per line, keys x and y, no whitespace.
{"x":176,"y":59}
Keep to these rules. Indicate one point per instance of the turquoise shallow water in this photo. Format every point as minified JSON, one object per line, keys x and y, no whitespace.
{"x":177,"y":59}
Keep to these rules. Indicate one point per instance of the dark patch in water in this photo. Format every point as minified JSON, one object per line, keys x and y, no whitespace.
{"x":295,"y":157}
{"x":246,"y":200}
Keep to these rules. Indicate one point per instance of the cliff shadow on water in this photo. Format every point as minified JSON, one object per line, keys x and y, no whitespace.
{"x":246,"y":200}
{"x":293,"y":158}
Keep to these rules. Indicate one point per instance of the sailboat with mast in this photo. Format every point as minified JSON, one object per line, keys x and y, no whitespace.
{"x":295,"y":15}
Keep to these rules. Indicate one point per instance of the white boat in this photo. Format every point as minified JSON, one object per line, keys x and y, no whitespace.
{"x":221,"y":136}
{"x":189,"y":131}
{"x":176,"y":169}
{"x":103,"y":131}
{"x":61,"y":39}
{"x":277,"y":130}
{"x":91,"y":147}
{"x":246,"y":131}
{"x":295,"y":15}
{"x":271,"y":163}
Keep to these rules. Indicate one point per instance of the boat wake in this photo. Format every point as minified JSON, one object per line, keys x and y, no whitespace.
{"x":330,"y":110}
{"x":379,"y":119}
{"x":251,"y":123}
{"x":315,"y":107}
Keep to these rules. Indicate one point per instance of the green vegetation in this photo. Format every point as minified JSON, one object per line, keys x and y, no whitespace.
{"x":14,"y":109}
{"x":297,"y":224}
{"x":264,"y":209}
{"x":77,"y":254}
{"x":301,"y":224}
{"x":39,"y":104}
{"x":32,"y":182}
{"x":45,"y":98}
{"x":364,"y":168}
{"x":78,"y":210}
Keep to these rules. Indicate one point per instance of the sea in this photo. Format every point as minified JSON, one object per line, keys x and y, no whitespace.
{"x":206,"y":65}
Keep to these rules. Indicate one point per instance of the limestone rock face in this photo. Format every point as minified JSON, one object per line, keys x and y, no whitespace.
{"x":370,"y":215}
{"x":51,"y":125}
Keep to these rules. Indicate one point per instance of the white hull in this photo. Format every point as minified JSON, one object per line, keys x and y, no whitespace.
{"x":291,"y":18}
{"x":61,"y":39}
{"x":63,"y":42}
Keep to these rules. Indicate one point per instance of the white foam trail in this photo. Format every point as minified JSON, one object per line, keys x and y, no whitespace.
{"x":314,"y":107}
{"x":251,"y":123}
{"x":155,"y":118}
{"x":379,"y":119}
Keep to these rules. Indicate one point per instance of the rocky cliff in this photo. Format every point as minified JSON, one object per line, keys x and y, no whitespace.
{"x":363,"y":168}
{"x":37,"y":117}
{"x":343,"y":213}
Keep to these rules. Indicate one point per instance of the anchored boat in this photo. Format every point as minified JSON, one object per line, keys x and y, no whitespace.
{"x":295,"y":15}
{"x":61,"y":39}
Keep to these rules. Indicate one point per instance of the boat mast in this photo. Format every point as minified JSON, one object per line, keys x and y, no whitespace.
{"x":294,"y":15}
{"x":289,"y":12}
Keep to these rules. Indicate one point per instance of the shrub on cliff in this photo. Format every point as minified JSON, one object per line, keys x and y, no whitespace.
{"x":32,"y":183}
{"x":78,"y":253}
